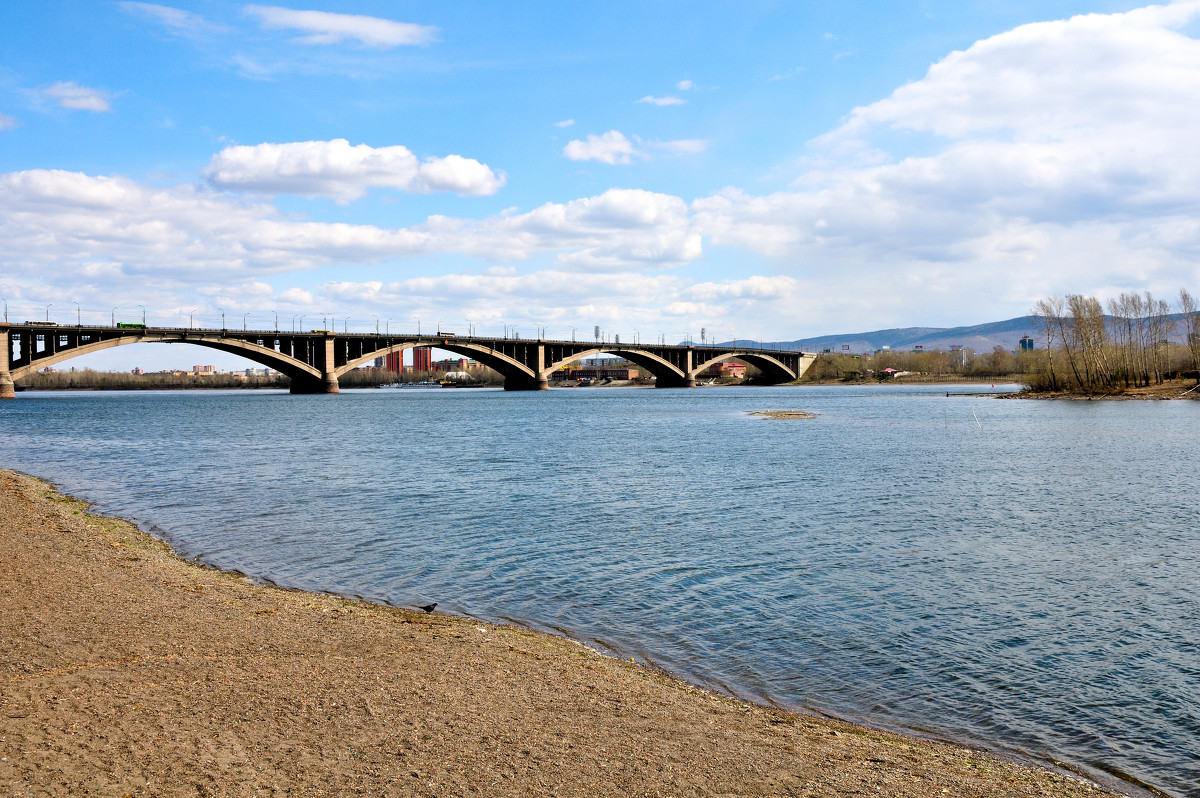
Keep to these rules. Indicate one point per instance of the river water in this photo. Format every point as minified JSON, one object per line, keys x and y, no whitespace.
{"x":1016,"y":575}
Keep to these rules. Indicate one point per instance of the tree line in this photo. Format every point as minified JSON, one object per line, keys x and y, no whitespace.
{"x":92,"y":380}
{"x":1141,"y":341}
{"x":934,"y":364}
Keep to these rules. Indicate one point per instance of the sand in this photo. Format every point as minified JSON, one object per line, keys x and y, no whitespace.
{"x":126,"y":671}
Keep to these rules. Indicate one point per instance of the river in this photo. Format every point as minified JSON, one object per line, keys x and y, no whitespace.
{"x":1016,"y":575}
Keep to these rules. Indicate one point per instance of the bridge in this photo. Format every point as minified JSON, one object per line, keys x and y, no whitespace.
{"x":314,"y":361}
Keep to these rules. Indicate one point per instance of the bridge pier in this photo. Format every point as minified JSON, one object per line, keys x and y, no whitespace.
{"x":526,"y":384}
{"x":7,"y":390}
{"x":674,"y":382}
{"x":326,"y":384}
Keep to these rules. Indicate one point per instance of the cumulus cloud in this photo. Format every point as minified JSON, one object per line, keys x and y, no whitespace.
{"x":614,"y":147}
{"x":78,"y":98}
{"x":565,"y":123}
{"x":7,"y":122}
{"x":63,"y":218}
{"x":324,"y":27}
{"x":611,"y":148}
{"x":668,"y":100}
{"x":685,"y":85}
{"x":631,"y":305}
{"x":344,"y":172}
{"x":1056,"y":157}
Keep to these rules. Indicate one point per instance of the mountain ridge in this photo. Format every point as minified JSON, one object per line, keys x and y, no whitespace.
{"x":980,"y":337}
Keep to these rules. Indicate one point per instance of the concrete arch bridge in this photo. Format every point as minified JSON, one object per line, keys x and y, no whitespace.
{"x":314,"y":361}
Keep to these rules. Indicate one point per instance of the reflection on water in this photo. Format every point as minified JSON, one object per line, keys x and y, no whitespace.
{"x":1013,"y":574}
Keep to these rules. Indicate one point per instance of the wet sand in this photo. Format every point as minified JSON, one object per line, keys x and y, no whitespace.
{"x":126,"y":671}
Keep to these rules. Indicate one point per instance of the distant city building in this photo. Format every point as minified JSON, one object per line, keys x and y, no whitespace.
{"x":726,"y":368}
{"x":1026,"y":343}
{"x":392,"y":361}
{"x":595,"y":373}
{"x":422,"y":358}
{"x":204,"y":369}
{"x":137,"y":371}
{"x":454,"y":364}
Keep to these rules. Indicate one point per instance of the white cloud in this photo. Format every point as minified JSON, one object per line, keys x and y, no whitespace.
{"x":663,"y":100}
{"x":344,"y":172}
{"x":78,"y":98}
{"x":565,"y":123}
{"x":174,"y":19}
{"x":685,"y":85}
{"x":628,"y":304}
{"x":7,"y":122}
{"x":1057,"y":158}
{"x":611,"y":148}
{"x":614,"y":147}
{"x":323,"y":27}
{"x":678,"y":147}
{"x":63,"y":218}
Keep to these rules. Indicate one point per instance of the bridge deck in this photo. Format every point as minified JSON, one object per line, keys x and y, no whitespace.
{"x":314,"y":360}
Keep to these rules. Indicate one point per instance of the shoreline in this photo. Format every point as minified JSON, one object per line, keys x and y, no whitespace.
{"x":127,"y":669}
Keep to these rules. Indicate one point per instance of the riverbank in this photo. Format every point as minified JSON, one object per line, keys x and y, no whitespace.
{"x":125,"y":670}
{"x":1171,"y":389}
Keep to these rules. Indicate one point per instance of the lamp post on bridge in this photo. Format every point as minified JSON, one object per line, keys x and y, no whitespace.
{"x":48,"y":311}
{"x":346,"y":325}
{"x":222,"y":318}
{"x":276,"y":321}
{"x":376,"y":323}
{"x":191,"y":318}
{"x":244,"y":317}
{"x":418,"y":326}
{"x":143,"y":307}
{"x":77,"y":322}
{"x":6,"y":311}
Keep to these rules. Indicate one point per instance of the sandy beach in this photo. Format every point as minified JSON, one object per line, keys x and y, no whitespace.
{"x":126,"y":671}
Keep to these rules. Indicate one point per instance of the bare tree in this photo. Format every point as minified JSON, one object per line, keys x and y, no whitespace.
{"x":1159,"y":329}
{"x":1049,"y":313}
{"x":1191,"y":328}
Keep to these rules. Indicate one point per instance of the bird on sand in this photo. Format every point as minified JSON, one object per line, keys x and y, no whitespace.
{"x":428,"y":607}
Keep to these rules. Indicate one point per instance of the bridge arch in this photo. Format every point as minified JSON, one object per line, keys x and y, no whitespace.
{"x":665,"y":372}
{"x":505,"y":365}
{"x":292,"y":368}
{"x":773,"y":370}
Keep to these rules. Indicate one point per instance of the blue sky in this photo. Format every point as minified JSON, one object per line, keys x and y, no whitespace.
{"x":759,"y":169}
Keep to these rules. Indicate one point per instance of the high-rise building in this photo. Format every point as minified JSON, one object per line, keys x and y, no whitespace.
{"x":394,"y":362}
{"x":423,"y":358}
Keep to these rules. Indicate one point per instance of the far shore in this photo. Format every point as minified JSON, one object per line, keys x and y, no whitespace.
{"x":127,"y":671}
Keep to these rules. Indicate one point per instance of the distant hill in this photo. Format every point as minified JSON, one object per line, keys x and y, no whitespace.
{"x":980,"y":337}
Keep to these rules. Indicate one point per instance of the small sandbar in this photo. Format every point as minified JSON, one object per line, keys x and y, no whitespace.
{"x":783,"y":413}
